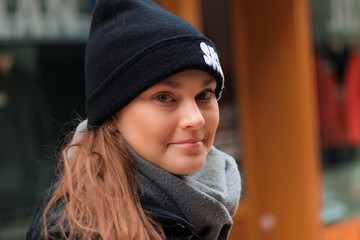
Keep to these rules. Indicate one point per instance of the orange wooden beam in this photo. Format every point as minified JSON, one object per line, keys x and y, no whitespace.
{"x":345,"y":230}
{"x":273,"y":49}
{"x":190,"y":10}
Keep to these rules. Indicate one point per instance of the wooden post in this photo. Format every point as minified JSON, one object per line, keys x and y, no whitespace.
{"x":272,"y":48}
{"x":190,"y":10}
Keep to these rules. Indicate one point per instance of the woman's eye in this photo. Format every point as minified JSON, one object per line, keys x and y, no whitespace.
{"x":164,"y":98}
{"x":205,"y":95}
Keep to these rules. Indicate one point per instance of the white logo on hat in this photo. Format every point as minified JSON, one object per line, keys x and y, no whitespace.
{"x":211,"y":58}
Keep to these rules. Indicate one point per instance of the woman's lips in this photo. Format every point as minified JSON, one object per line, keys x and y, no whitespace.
{"x":189,"y":143}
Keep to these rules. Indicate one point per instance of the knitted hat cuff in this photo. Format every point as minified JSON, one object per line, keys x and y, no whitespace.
{"x":168,"y":57}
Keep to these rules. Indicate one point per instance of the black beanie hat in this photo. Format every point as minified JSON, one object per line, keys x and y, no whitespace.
{"x":134,"y":44}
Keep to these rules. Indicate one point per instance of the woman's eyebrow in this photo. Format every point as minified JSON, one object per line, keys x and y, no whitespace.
{"x":177,"y":85}
{"x":171,"y":84}
{"x":208,"y":81}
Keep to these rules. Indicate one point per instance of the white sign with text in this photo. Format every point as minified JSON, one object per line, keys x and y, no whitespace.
{"x":37,"y":19}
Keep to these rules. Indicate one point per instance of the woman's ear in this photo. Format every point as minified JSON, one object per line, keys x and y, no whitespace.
{"x":115,"y":117}
{"x":111,"y":123}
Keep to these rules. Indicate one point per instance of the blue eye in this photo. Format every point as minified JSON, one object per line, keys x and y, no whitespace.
{"x":205,"y":95}
{"x":164,"y":98}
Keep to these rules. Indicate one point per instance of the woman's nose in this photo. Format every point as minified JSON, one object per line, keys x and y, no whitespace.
{"x":191,"y":116}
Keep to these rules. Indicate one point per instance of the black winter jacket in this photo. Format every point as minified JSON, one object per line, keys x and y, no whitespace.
{"x":174,"y":226}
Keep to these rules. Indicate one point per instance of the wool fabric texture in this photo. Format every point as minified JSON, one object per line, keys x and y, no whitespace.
{"x":134,"y":44}
{"x":207,"y":199}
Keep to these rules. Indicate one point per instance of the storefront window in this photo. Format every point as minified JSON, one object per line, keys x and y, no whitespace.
{"x":337,"y":64}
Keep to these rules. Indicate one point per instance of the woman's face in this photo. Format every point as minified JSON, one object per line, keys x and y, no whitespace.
{"x":173,"y":123}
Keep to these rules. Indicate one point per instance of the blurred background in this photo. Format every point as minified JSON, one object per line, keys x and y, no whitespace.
{"x":336,"y":26}
{"x":42,"y":45}
{"x":41,"y":91}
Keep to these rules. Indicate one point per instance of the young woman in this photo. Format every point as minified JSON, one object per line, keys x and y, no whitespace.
{"x":143,"y":166}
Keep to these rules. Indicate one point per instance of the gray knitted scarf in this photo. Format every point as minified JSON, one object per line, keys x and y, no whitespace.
{"x":207,"y":199}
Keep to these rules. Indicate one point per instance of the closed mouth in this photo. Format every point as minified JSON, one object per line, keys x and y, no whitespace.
{"x":189,"y":141}
{"x":193,"y":143}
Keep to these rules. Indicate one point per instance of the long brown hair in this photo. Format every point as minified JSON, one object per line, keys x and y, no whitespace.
{"x":99,"y":191}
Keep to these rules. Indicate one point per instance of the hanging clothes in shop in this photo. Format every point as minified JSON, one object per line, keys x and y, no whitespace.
{"x":352,"y":100}
{"x":330,"y":100}
{"x":338,"y":84}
